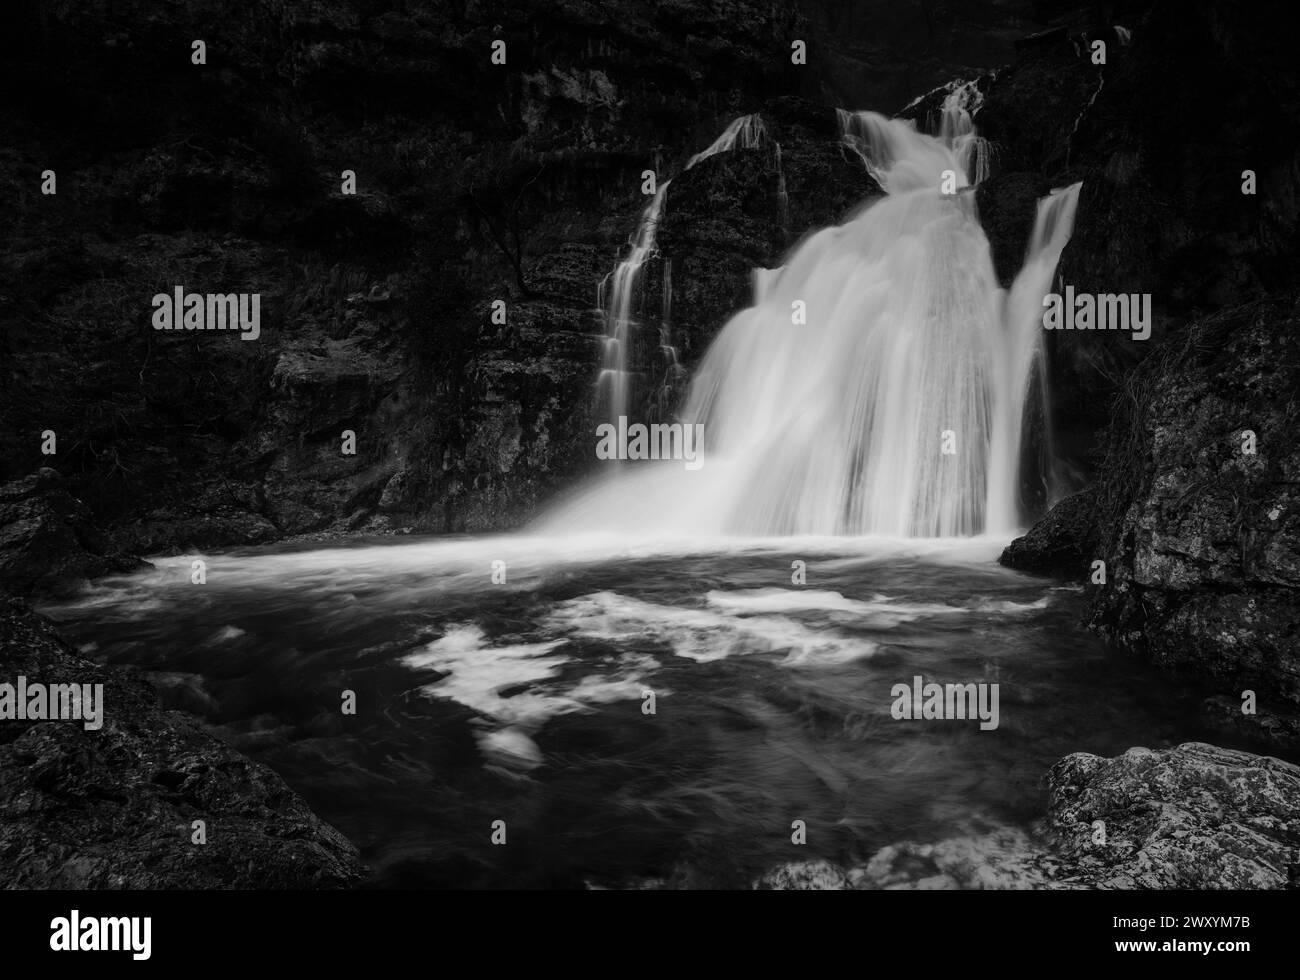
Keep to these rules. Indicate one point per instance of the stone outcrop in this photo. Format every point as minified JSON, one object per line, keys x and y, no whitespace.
{"x":1064,"y":542}
{"x":1194,"y":816}
{"x":1197,"y":516}
{"x":47,"y":540}
{"x":116,"y":807}
{"x":1200,"y":510}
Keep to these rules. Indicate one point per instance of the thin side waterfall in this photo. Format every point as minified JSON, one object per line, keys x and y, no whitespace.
{"x":877,"y":385}
{"x":616,"y":293}
{"x":782,"y":196}
{"x":672,"y":368}
{"x":1023,"y":349}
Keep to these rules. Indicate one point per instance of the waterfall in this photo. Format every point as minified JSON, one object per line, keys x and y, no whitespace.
{"x":616,"y":292}
{"x":782,"y":195}
{"x":1022,"y":349}
{"x":877,"y":384}
{"x":901,"y":159}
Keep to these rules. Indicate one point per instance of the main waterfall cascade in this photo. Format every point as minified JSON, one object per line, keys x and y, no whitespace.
{"x":895,"y":408}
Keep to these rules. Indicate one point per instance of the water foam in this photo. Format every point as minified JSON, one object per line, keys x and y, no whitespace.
{"x":897,"y":408}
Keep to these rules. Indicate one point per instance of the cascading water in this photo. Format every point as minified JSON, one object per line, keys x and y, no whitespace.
{"x":1024,"y":346}
{"x":525,"y":700}
{"x":893,"y":406}
{"x":617,"y":291}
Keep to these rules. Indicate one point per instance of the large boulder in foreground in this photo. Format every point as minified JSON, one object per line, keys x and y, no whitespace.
{"x":1195,"y":816}
{"x":115,"y":807}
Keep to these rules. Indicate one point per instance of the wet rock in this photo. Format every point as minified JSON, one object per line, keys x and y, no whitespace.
{"x":115,"y":807}
{"x":529,"y":427}
{"x":47,"y":540}
{"x":804,"y":876}
{"x":1006,"y":858}
{"x":1161,"y":210}
{"x":1199,"y":510}
{"x":319,"y":392}
{"x":1064,"y":542}
{"x":724,"y":217}
{"x":1279,"y":730}
{"x":1195,"y":816}
{"x":1008,"y":205}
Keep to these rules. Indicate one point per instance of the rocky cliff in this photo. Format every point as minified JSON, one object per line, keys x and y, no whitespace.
{"x":474,"y":182}
{"x":1187,"y":500}
{"x":1194,"y":514}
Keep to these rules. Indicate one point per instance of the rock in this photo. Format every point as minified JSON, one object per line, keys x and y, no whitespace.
{"x":1029,"y":108}
{"x":804,"y":876}
{"x":477,"y":184}
{"x":1008,"y":206}
{"x":317,"y":392}
{"x":1161,"y":210}
{"x":47,"y":541}
{"x":1201,"y":536}
{"x":1003,"y":859}
{"x":1064,"y":542}
{"x":1193,"y":817}
{"x":725,"y":217}
{"x":115,"y":808}
{"x":1280,"y":731}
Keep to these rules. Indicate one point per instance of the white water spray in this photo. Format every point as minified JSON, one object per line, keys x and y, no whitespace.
{"x":897,"y":408}
{"x":617,"y":291}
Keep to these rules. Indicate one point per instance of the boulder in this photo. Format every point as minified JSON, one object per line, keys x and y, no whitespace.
{"x":1199,"y":509}
{"x":1193,"y":817}
{"x":116,"y":807}
{"x":1063,"y":543}
{"x":47,"y":542}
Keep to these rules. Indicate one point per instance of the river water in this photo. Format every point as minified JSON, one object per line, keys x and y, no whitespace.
{"x":525,"y":700}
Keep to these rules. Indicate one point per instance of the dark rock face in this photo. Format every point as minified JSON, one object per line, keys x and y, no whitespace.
{"x":1196,"y":516}
{"x":114,"y":808}
{"x":1008,"y":205}
{"x":475,"y":183}
{"x":1063,"y":543}
{"x":1160,"y":136}
{"x":47,"y":541}
{"x":728,"y":215}
{"x":1195,"y":816}
{"x":1278,"y":729}
{"x":1195,"y":532}
{"x":1199,"y":509}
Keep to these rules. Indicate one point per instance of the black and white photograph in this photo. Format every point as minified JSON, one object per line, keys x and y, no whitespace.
{"x":575,"y":446}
